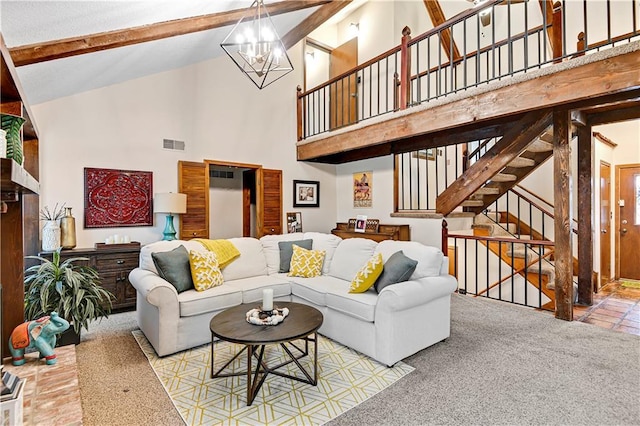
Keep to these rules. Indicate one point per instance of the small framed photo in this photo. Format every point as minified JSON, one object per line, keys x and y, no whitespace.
{"x":361,"y":223}
{"x":294,"y":222}
{"x":306,"y":193}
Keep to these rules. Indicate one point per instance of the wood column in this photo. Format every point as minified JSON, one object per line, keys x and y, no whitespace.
{"x":405,"y":68}
{"x":299,"y":113}
{"x":562,"y":223}
{"x":585,"y":212}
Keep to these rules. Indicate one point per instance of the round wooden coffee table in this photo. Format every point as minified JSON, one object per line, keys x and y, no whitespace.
{"x":302,"y":323}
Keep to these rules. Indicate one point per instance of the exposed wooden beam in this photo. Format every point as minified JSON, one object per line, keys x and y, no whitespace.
{"x":577,"y":88}
{"x":313,"y":21}
{"x":73,"y":46}
{"x":586,"y":160}
{"x":562,"y":209}
{"x":602,"y":138}
{"x":446,"y":38}
{"x":630,"y":112}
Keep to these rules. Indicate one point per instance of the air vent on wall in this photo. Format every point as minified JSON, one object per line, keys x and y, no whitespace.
{"x":220,"y":174}
{"x":173,"y":144}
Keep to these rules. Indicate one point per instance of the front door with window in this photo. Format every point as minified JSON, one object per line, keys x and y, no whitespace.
{"x":628,"y":218}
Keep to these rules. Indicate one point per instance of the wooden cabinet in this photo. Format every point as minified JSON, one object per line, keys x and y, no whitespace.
{"x":385,"y":232}
{"x":19,"y":185}
{"x":113,"y":265}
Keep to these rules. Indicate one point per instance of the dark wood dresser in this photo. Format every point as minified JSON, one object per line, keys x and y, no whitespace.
{"x":384,"y":232}
{"x":113,"y":264}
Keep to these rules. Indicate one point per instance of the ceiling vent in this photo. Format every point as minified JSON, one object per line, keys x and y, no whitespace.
{"x":173,"y":144}
{"x":220,"y":174}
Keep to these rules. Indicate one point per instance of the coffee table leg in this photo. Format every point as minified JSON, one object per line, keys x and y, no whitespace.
{"x":249,"y":382}
{"x":315,"y":358}
{"x":212,"y":370}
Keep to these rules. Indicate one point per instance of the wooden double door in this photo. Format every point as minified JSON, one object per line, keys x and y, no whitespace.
{"x":261,"y":199}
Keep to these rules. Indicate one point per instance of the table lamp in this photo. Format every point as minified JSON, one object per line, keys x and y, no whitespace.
{"x":170,"y":203}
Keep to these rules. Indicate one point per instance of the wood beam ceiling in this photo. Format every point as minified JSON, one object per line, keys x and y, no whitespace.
{"x":73,"y":46}
{"x":312,"y":22}
{"x":446,"y":38}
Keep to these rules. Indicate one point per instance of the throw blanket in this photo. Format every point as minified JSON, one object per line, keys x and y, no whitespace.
{"x":225,"y":251}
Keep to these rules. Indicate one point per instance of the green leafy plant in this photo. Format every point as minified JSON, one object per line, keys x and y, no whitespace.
{"x":74,"y":291}
{"x":57,"y":213}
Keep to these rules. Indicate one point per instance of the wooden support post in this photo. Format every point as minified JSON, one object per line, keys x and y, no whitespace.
{"x":585,"y":212}
{"x":581,"y":46}
{"x":562,"y":223}
{"x":445,"y":237}
{"x":556,"y":41}
{"x":405,"y":68}
{"x":299,"y":114}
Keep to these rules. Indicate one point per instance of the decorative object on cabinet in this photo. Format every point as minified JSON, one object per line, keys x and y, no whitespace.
{"x":51,"y":229}
{"x":170,"y":203}
{"x":39,"y":335}
{"x":306,"y":193}
{"x":373,"y":231}
{"x":116,"y":198}
{"x":68,"y":230}
{"x":12,"y":124}
{"x":294,"y":222}
{"x":253,"y":44}
{"x":67,"y":287}
{"x":113,"y":264}
{"x":363,"y":189}
{"x":361,"y":223}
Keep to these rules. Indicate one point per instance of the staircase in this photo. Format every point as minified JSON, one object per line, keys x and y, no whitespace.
{"x":536,"y":266}
{"x":519,"y":152}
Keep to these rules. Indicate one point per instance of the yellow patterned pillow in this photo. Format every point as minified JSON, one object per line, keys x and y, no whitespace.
{"x":204,"y":270}
{"x":367,"y":275}
{"x":306,"y":263}
{"x":224,"y":249}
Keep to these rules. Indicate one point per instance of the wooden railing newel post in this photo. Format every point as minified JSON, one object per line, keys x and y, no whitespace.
{"x":405,"y":68}
{"x":299,"y":112}
{"x":445,"y":237}
{"x":557,"y":32}
{"x":581,"y":46}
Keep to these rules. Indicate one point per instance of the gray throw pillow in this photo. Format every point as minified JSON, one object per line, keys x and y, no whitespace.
{"x":286,"y":251}
{"x":397,"y":268}
{"x":173,"y":266}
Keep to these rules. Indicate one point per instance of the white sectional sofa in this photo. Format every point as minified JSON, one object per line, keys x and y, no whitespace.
{"x":400,"y":321}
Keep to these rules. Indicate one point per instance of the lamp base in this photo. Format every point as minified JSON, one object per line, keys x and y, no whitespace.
{"x":169,"y":232}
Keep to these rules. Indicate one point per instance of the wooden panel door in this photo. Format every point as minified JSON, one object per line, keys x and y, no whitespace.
{"x":193,"y":180}
{"x":343,"y":93}
{"x":269,"y":202}
{"x":628,"y":220}
{"x":605,"y":223}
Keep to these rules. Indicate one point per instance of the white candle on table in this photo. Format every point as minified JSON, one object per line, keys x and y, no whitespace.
{"x":267,"y":299}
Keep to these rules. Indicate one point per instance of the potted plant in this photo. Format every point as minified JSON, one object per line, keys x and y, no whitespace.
{"x":72,"y":290}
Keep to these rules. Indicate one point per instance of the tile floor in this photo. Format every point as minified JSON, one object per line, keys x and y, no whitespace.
{"x":614,"y":307}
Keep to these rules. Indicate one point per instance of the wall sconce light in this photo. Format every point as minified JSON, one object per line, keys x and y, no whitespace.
{"x":170,"y":203}
{"x":310,"y":55}
{"x":354,"y":29}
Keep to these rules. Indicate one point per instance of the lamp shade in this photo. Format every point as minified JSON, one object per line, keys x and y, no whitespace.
{"x":170,"y":202}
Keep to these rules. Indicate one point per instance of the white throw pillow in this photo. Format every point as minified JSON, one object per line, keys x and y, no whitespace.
{"x":429,"y":258}
{"x":349,"y":257}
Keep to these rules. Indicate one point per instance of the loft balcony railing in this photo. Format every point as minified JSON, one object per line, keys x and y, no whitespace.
{"x":520,"y":37}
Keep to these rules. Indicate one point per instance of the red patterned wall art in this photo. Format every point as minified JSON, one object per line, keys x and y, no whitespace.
{"x":115,"y":198}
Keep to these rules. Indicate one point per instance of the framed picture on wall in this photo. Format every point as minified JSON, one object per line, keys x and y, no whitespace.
{"x":306,"y":193}
{"x":294,"y":222}
{"x":363,"y":189}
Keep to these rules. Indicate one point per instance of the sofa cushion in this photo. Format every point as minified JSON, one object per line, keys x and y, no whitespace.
{"x":429,"y":258}
{"x":250,"y":263}
{"x":146,"y":261}
{"x":272,"y":250}
{"x":349,"y":257}
{"x":286,"y":251}
{"x":326,"y":242}
{"x":225,"y":251}
{"x":252,"y":287}
{"x":192,"y":302}
{"x":204,"y":270}
{"x":367,"y":275}
{"x":173,"y":266}
{"x":315,"y":289}
{"x":306,"y":263}
{"x":397,"y":268}
{"x":361,"y":305}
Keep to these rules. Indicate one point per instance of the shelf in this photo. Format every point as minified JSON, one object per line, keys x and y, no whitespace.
{"x":16,"y":179}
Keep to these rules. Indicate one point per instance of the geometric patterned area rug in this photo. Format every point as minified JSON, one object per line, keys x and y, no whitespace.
{"x":345,"y":379}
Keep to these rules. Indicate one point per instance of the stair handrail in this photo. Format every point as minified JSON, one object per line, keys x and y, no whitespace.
{"x":536,"y":205}
{"x":518,"y":271}
{"x":483,"y":144}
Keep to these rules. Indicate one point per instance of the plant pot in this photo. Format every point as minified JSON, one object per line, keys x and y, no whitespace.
{"x":68,"y":337}
{"x":51,"y":235}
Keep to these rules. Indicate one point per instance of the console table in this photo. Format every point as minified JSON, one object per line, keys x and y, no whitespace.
{"x":113,"y":264}
{"x":384,"y":232}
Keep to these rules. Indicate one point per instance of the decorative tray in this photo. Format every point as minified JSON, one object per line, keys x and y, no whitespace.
{"x":259,"y":317}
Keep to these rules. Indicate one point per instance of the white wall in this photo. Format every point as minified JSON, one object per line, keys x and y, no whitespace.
{"x":211,"y":106}
{"x":225,"y":206}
